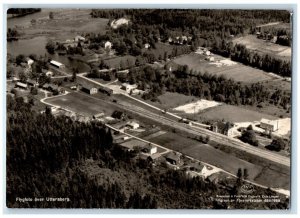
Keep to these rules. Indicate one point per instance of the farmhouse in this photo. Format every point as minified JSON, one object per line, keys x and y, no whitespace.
{"x":173,"y":158}
{"x":57,"y":64}
{"x":99,"y":115}
{"x":133,"y":125}
{"x":29,"y":61}
{"x":107,"y":45}
{"x":32,"y":82}
{"x":209,"y":58}
{"x":223,"y":128}
{"x":128,"y":88}
{"x":269,"y":125}
{"x":118,"y":115}
{"x":49,"y":73}
{"x":21,"y":85}
{"x":79,"y":38}
{"x":147,"y":45}
{"x":150,"y":149}
{"x":88,"y":87}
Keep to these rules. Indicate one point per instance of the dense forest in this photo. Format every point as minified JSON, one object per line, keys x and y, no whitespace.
{"x":46,"y":155}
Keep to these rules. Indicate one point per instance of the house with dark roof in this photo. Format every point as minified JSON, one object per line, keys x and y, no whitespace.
{"x":88,"y":87}
{"x":225,"y":128}
{"x":173,"y":158}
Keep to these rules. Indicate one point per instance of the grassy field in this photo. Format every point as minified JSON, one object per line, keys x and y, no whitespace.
{"x":206,"y":153}
{"x":237,"y":72}
{"x":128,"y":61}
{"x":262,"y":46}
{"x":82,"y":103}
{"x":232,"y":114}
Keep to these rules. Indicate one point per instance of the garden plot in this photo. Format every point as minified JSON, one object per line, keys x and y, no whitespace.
{"x":196,"y":107}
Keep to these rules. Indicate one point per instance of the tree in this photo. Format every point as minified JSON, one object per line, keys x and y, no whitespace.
{"x":246,"y":174}
{"x":33,"y":91}
{"x":249,"y":136}
{"x":75,"y":71}
{"x":20,"y":59}
{"x":50,"y":46}
{"x":277,"y":145}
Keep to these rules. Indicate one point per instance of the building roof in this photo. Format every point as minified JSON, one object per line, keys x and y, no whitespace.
{"x":56,"y":63}
{"x":22,"y":84}
{"x":173,"y":156}
{"x":132,"y":123}
{"x":31,"y":81}
{"x":123,"y":71}
{"x":269,"y":122}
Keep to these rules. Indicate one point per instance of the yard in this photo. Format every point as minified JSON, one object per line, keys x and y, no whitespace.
{"x":223,"y":66}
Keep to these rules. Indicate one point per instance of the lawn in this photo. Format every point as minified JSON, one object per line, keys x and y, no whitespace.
{"x":206,"y":153}
{"x":82,"y":103}
{"x":233,"y":70}
{"x":232,"y":114}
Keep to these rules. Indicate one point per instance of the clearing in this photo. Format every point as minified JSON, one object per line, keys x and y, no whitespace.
{"x":263,"y":46}
{"x":197,"y":106}
{"x":223,"y":66}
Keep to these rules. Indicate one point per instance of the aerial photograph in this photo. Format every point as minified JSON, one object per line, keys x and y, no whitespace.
{"x":149,"y":108}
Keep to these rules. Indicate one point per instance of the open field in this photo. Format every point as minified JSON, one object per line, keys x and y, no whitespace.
{"x":262,"y":46}
{"x":233,"y":114}
{"x":206,"y":153}
{"x":127,"y":60}
{"x":223,"y":66}
{"x":82,"y":103}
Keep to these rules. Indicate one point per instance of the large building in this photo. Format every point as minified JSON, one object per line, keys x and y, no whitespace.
{"x":57,"y":64}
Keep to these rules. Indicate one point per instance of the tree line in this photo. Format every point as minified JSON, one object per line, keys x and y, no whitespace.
{"x":204,"y":85}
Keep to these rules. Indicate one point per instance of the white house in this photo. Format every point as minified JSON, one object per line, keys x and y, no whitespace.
{"x":209,"y":58}
{"x":49,"y":73}
{"x":22,"y":85}
{"x":128,"y":88}
{"x":57,"y":64}
{"x":107,"y":45}
{"x":207,"y":53}
{"x":150,"y":149}
{"x":147,"y":45}
{"x":29,"y":61}
{"x":133,"y":125}
{"x":79,"y":38}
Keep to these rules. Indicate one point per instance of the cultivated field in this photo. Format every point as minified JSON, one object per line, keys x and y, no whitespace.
{"x":233,"y":114}
{"x":82,"y":103}
{"x":206,"y":153}
{"x":223,"y":66}
{"x":262,"y":46}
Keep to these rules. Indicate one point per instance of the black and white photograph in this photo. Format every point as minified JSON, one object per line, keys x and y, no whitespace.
{"x":148,"y":108}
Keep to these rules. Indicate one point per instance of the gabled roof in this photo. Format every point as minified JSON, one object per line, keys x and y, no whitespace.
{"x":173,"y":156}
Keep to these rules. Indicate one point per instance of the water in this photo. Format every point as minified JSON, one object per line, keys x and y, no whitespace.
{"x":37,"y":44}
